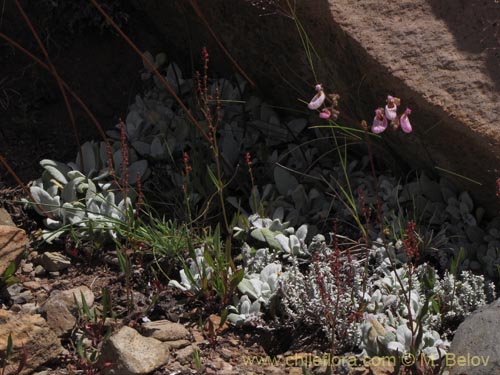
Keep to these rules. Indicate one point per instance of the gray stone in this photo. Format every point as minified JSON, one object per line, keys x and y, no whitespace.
{"x":476,"y":342}
{"x":32,"y":334}
{"x":165,"y":330}
{"x":40,"y":271}
{"x":53,"y":262}
{"x":128,"y":353}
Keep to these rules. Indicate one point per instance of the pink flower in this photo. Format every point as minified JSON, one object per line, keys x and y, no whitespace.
{"x":325,"y":114}
{"x":391,"y":108}
{"x":379,"y":122}
{"x":318,"y":99}
{"x":405,"y":121}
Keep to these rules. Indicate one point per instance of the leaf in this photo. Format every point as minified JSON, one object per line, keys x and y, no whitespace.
{"x":46,"y":203}
{"x":236,"y":278}
{"x":10,"y":270}
{"x":89,"y":159}
{"x":157,"y":148}
{"x":68,"y":194}
{"x":302,"y":232}
{"x":161,"y":58}
{"x":284,"y":181}
{"x":10,"y":346}
{"x":247,"y":287}
{"x":56,"y":169}
{"x":143,"y":148}
{"x":223,"y":317}
{"x":174,"y":76}
{"x":137,"y":168}
{"x":213,"y":178}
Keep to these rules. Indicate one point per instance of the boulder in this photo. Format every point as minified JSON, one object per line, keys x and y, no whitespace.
{"x":474,"y":349}
{"x":31,"y":336}
{"x":13,"y":242}
{"x":128,"y":353}
{"x":422,"y":51}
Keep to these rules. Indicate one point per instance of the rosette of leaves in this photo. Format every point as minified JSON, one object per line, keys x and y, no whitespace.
{"x":397,"y":339}
{"x":275,"y":234}
{"x":79,"y":194}
{"x":261,"y":287}
{"x":244,"y":311}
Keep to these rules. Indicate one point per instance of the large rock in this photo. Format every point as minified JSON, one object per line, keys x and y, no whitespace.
{"x":474,"y":349}
{"x":13,"y":242}
{"x":441,"y":57}
{"x":61,"y":311}
{"x":128,"y":353}
{"x":30,"y":335}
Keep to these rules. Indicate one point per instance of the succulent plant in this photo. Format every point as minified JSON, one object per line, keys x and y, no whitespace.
{"x":80,"y":194}
{"x":261,"y":287}
{"x":244,"y":311}
{"x":193,"y":275}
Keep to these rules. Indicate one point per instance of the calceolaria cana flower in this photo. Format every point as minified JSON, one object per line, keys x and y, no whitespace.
{"x":391,"y":108}
{"x":318,"y":99}
{"x":390,"y":115}
{"x":379,"y":121}
{"x":325,"y":113}
{"x":404,"y":121}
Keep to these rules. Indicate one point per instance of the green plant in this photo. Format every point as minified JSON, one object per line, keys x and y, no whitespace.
{"x":93,"y":331}
{"x":209,"y":272}
{"x":6,"y":359}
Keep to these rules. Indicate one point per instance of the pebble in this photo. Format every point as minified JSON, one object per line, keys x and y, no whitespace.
{"x":27,"y":267}
{"x":40,"y":271}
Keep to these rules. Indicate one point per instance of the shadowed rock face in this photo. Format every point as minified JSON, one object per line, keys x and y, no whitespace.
{"x":441,"y":57}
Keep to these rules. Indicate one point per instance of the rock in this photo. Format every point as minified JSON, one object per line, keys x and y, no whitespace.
{"x":129,"y":353}
{"x":26,"y":308}
{"x":213,"y":327}
{"x":185,"y":355}
{"x":27,"y":267}
{"x":165,"y":330}
{"x":61,"y":311}
{"x":5,"y":218}
{"x":53,"y":262}
{"x":13,"y":242}
{"x":177,"y":344}
{"x":40,"y":271}
{"x":476,"y":343}
{"x":32,"y":332}
{"x":33,"y":285}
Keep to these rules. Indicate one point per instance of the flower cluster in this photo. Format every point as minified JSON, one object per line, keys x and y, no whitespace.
{"x":389,"y":114}
{"x":329,"y":111}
